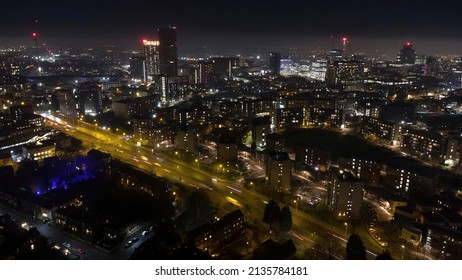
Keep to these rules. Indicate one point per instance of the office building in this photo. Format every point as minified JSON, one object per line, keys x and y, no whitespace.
{"x":407,"y":54}
{"x":138,"y":69}
{"x":275,"y":63}
{"x":168,"y":51}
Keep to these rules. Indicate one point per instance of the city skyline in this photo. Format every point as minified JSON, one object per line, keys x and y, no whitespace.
{"x":231,"y":130}
{"x":240,"y":25}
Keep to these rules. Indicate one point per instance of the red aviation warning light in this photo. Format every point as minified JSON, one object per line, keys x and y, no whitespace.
{"x":408,"y":44}
{"x":34,"y":35}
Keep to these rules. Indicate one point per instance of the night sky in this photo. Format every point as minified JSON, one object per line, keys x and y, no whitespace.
{"x":370,"y":25}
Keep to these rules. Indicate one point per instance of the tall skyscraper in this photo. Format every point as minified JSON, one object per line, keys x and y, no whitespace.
{"x":407,"y":54}
{"x":168,"y":51}
{"x":151,"y":53}
{"x":275,"y":63}
{"x":138,"y":68}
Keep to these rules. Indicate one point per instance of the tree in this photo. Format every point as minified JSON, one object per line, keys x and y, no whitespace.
{"x":355,"y":249}
{"x":272,"y":213}
{"x":385,"y":255}
{"x":326,"y":247}
{"x":285,"y":219}
{"x":199,"y":205}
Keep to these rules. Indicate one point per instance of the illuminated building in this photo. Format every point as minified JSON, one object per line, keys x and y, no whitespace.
{"x":275,"y":63}
{"x":186,"y":141}
{"x":20,"y":112}
{"x":227,"y":150}
{"x":194,"y":115}
{"x":143,"y":107}
{"x":275,"y":142}
{"x":342,"y":72}
{"x":216,"y":237}
{"x":365,"y":170}
{"x":231,"y":110}
{"x":369,"y":108}
{"x":206,"y":74}
{"x":289,"y":118}
{"x":452,"y":153}
{"x":152,"y":62}
{"x":257,"y":107}
{"x":407,"y":54}
{"x":163,"y":88}
{"x":316,"y":158}
{"x":423,"y":144}
{"x":442,"y":242}
{"x":411,"y":182}
{"x":168,"y":51}
{"x":260,"y":128}
{"x":279,"y":171}
{"x":39,"y":152}
{"x":91,"y":98}
{"x":147,"y":132}
{"x":224,"y":66}
{"x":318,"y":70}
{"x":344,"y":194}
{"x":325,"y":117}
{"x":69,"y":104}
{"x":138,"y":68}
{"x":372,"y":128}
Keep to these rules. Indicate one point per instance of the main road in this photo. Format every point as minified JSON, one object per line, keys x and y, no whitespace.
{"x":220,"y":191}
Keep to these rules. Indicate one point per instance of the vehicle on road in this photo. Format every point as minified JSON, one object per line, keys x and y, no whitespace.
{"x":80,"y":251}
{"x":67,"y":245}
{"x":128,"y":244}
{"x":146,"y":232}
{"x":135,"y":239}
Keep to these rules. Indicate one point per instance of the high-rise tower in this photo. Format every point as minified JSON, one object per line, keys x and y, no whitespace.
{"x":168,"y":51}
{"x":407,"y":54}
{"x":151,"y":54}
{"x":275,"y":63}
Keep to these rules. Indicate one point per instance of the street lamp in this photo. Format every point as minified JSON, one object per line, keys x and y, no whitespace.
{"x":404,"y":248}
{"x":296,"y":204}
{"x":346,"y":229}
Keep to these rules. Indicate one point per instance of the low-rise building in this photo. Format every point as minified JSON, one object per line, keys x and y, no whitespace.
{"x":215,"y":237}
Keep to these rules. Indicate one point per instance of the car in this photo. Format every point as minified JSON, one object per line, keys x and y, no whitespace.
{"x":80,"y":251}
{"x":128,"y":244}
{"x":135,"y":239}
{"x":67,"y":245}
{"x":145,"y":232}
{"x":152,"y":228}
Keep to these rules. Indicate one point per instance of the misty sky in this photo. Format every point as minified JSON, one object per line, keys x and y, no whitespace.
{"x":370,"y":25}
